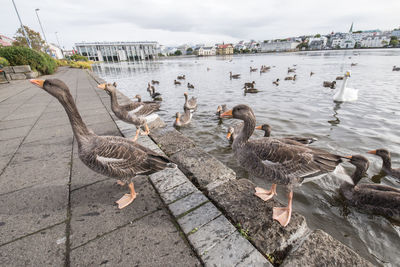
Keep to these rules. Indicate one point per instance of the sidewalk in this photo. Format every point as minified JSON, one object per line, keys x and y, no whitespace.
{"x":55,"y":211}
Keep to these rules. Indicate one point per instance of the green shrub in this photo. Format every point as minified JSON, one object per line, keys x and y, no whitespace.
{"x":4,"y":62}
{"x":18,"y":55}
{"x":77,"y":57}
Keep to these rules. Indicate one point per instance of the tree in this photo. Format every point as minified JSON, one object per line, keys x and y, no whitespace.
{"x":317,"y":35}
{"x":178,"y":53}
{"x":393,"y":41}
{"x":189,"y":51}
{"x":34,"y":37}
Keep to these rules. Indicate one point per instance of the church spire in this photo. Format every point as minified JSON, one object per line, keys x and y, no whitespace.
{"x":351,"y":28}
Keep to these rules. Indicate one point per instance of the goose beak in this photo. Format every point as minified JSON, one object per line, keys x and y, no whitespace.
{"x":228,"y":136}
{"x":259,"y":127}
{"x":372,"y":152}
{"x":348,"y":157}
{"x":38,"y":83}
{"x":227,"y":114}
{"x":102,"y":86}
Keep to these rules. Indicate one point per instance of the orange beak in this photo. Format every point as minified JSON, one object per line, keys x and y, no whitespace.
{"x":102,"y":86}
{"x":228,"y":136}
{"x":348,"y":157}
{"x":227,"y":114}
{"x":38,"y":83}
{"x":259,"y":127}
{"x":372,"y":152}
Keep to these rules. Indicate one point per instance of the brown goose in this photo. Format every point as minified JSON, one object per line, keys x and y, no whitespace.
{"x":289,"y":70}
{"x":191,"y":103}
{"x":183,"y":120}
{"x":155,"y":82}
{"x":331,"y":85}
{"x":249,"y":85}
{"x":386,"y":162}
{"x":303,"y":140}
{"x":190,"y":86}
{"x":233,"y":131}
{"x":177,"y":82}
{"x":277,"y":161}
{"x":396,"y":68}
{"x":114,"y":156}
{"x":182,"y":77}
{"x":339,"y":78}
{"x":374,"y":198}
{"x":139,"y":99}
{"x":251,"y":90}
{"x":291,"y":78}
{"x":221,"y":109}
{"x":253,"y":69}
{"x":311,"y":73}
{"x":234,"y":76}
{"x":123,"y":113}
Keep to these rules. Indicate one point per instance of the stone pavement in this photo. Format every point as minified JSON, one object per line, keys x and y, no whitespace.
{"x":54,"y":211}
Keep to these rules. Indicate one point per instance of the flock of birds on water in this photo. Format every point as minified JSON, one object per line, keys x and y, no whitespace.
{"x":286,"y":161}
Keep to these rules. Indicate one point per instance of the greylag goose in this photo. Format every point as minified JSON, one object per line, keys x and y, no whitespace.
{"x":396,"y":68}
{"x":190,"y":86}
{"x":303,"y":140}
{"x":249,"y":85}
{"x":373,"y":198}
{"x":276,"y":82}
{"x":386,"y":162}
{"x":183,"y":120}
{"x":221,"y":109}
{"x":253,"y":69}
{"x":113,"y":156}
{"x":155,"y":82}
{"x":233,"y":132}
{"x":177,"y":82}
{"x":191,"y":103}
{"x":234,"y":76}
{"x":155,"y":95}
{"x":291,"y":78}
{"x":277,"y":161}
{"x":331,"y":85}
{"x":182,"y":77}
{"x":122,"y":112}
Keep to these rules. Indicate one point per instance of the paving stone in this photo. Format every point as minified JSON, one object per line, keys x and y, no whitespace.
{"x":185,"y":204}
{"x":45,"y":248}
{"x":320,"y":249}
{"x":54,"y":132}
{"x":236,"y":198}
{"x":168,"y":178}
{"x":31,"y":74}
{"x":14,"y":132}
{"x":178,"y":192}
{"x":8,"y":69}
{"x":94,"y":211}
{"x":21,"y":69}
{"x":229,"y":252}
{"x":10,"y":146}
{"x":16,"y":123}
{"x":201,"y":167}
{"x":17,"y":76}
{"x":170,"y":140}
{"x":210,"y":234}
{"x":198,"y":217}
{"x":255,"y":259}
{"x":150,"y":241}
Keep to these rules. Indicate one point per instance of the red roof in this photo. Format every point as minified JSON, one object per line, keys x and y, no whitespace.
{"x":5,"y":41}
{"x":224,"y":46}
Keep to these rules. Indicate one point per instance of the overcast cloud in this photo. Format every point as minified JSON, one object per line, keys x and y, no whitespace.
{"x":207,"y":21}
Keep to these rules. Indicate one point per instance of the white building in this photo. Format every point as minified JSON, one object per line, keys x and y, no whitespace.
{"x":278,"y":46}
{"x":206,"y":51}
{"x":375,"y":41}
{"x":343,"y":42}
{"x":55,"y":51}
{"x":396,"y":33}
{"x":316,"y":43}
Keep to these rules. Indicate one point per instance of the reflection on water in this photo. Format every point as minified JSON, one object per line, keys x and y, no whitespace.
{"x":302,"y":107}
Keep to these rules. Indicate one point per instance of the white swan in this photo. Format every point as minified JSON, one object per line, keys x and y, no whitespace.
{"x":346,"y":94}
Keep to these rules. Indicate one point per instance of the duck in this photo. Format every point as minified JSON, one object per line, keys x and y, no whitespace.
{"x":155,"y":82}
{"x":150,"y":87}
{"x":182,"y":77}
{"x":353,"y":64}
{"x":291,"y":70}
{"x":177,"y":82}
{"x":124,"y":112}
{"x":183,"y":120}
{"x":264,"y":69}
{"x":113,"y":156}
{"x":234,"y":76}
{"x":253,"y":69}
{"x":233,"y":131}
{"x":251,"y":90}
{"x":311,"y":74}
{"x":291,"y":78}
{"x":346,"y":94}
{"x":339,"y":78}
{"x":386,"y":162}
{"x":249,"y":85}
{"x":208,"y":69}
{"x":190,"y":86}
{"x":331,"y":85}
{"x":190,"y":104}
{"x":303,"y":140}
{"x":396,"y":68}
{"x":276,"y":82}
{"x":277,"y":161}
{"x":139,"y":99}
{"x":155,"y":95}
{"x":221,"y":109}
{"x":373,"y":198}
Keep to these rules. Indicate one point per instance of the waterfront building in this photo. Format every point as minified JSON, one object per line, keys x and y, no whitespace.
{"x":6,"y":41}
{"x":396,"y":33}
{"x":118,"y":51}
{"x":55,"y":51}
{"x":205,"y":51}
{"x":375,"y":41}
{"x":278,"y":46}
{"x":317,"y":43}
{"x":225,"y":49}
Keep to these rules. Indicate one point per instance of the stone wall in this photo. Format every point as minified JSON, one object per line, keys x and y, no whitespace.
{"x":18,"y":73}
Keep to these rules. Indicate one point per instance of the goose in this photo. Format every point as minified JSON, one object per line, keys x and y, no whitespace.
{"x":208,"y":69}
{"x":221,"y":109}
{"x":234,"y":76}
{"x":249,"y":85}
{"x":253,"y":69}
{"x":177,"y":82}
{"x":182,"y":77}
{"x":233,"y":131}
{"x":311,"y":74}
{"x":183,"y":120}
{"x":331,"y":85}
{"x":150,"y":87}
{"x":386,"y":162}
{"x":155,"y":82}
{"x":251,"y":90}
{"x":276,"y":82}
{"x":396,"y":68}
{"x":139,"y":99}
{"x":155,"y":95}
{"x":277,"y":161}
{"x":124,"y":113}
{"x":190,"y":104}
{"x":339,"y":78}
{"x":190,"y":86}
{"x":264,"y":69}
{"x":303,"y":140}
{"x":113,"y":156}
{"x":373,"y":198}
{"x":346,"y":94}
{"x":291,"y":70}
{"x":291,"y":78}
{"x":353,"y":64}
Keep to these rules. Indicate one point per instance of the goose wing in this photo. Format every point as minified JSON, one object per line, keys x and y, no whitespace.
{"x":146,"y":109}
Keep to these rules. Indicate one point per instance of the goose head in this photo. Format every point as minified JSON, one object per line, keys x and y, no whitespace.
{"x":55,"y":87}
{"x":241,"y":112}
{"x":177,"y":116}
{"x":361,"y":164}
{"x":231,"y":130}
{"x":266,"y":128}
{"x":109,"y":88}
{"x":138,"y":97}
{"x":382,"y":152}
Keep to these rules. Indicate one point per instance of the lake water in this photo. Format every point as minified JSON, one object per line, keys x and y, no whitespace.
{"x":302,"y":108}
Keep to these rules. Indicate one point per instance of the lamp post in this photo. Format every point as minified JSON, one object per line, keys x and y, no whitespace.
{"x":22,"y":26}
{"x":44,"y":36}
{"x":58,"y":42}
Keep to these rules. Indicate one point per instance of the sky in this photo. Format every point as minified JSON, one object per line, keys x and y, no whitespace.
{"x":174,"y":22}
